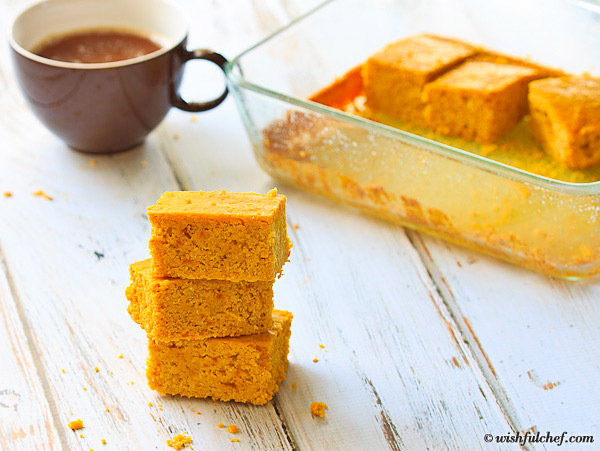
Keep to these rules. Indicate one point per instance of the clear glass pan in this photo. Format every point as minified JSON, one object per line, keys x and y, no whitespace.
{"x":542,"y":223}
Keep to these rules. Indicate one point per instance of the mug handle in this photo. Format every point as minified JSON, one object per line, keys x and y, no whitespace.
{"x":201,"y":54}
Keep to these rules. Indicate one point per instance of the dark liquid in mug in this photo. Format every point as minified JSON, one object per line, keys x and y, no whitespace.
{"x":96,"y":46}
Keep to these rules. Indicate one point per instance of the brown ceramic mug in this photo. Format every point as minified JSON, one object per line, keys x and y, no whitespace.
{"x":105,"y":107}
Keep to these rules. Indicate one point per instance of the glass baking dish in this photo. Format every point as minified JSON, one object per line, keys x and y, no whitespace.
{"x":546,"y":224}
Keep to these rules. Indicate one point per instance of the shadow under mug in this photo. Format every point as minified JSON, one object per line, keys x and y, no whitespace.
{"x":105,"y":107}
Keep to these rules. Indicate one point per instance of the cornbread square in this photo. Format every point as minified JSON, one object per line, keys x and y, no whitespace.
{"x":244,"y":369}
{"x":395,"y":76}
{"x":565,"y":119}
{"x":219,"y":235}
{"x":478,"y":100}
{"x":181,"y":309}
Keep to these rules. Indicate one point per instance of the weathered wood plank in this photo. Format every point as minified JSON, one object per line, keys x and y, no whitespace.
{"x":536,"y":337}
{"x":26,"y":421}
{"x":395,"y":365}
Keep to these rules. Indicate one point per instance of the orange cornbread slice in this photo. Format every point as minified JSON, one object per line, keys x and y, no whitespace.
{"x":478,"y":100}
{"x":175,"y":309}
{"x":243,"y":369}
{"x":565,"y":119}
{"x":395,"y":76}
{"x":219,"y":235}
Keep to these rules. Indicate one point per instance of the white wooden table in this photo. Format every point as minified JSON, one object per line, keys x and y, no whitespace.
{"x":427,"y":345}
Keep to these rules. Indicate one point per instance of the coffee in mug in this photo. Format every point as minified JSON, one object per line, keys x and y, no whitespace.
{"x":108,"y":95}
{"x":98,"y":45}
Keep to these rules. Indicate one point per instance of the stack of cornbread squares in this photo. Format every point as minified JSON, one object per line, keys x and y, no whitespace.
{"x":205,"y":298}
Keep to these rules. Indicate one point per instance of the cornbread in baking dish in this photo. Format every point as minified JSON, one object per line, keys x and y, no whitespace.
{"x":565,"y":119}
{"x":181,"y":309}
{"x":395,"y":76}
{"x":244,"y":369}
{"x":480,"y":101}
{"x":219,"y":235}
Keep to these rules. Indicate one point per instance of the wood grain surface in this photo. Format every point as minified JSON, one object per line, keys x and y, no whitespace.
{"x":536,"y":337}
{"x":425,"y":345}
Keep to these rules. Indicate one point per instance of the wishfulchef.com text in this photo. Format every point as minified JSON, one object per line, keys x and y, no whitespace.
{"x":538,"y":437}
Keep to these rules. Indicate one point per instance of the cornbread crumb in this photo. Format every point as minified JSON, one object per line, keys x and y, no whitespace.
{"x":144,"y":163}
{"x":487,"y":149}
{"x":76,"y":424}
{"x":103,"y":441}
{"x":220,"y":425}
{"x":80,"y":435}
{"x":194,"y":118}
{"x":179,"y":441}
{"x":150,"y":404}
{"x":84,"y":388}
{"x":7,"y":194}
{"x":160,"y":408}
{"x":159,"y":405}
{"x":96,"y":369}
{"x":234,"y":439}
{"x":318,"y":409}
{"x":315,"y":360}
{"x":272,"y":192}
{"x":107,"y":409}
{"x":92,"y":162}
{"x":120,"y":356}
{"x":296,"y":226}
{"x":213,"y":172}
{"x":41,"y":193}
{"x":198,"y":413}
{"x":63,"y":370}
{"x":321,"y":346}
{"x":175,"y":135}
{"x":232,"y":429}
{"x":294,"y":386}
